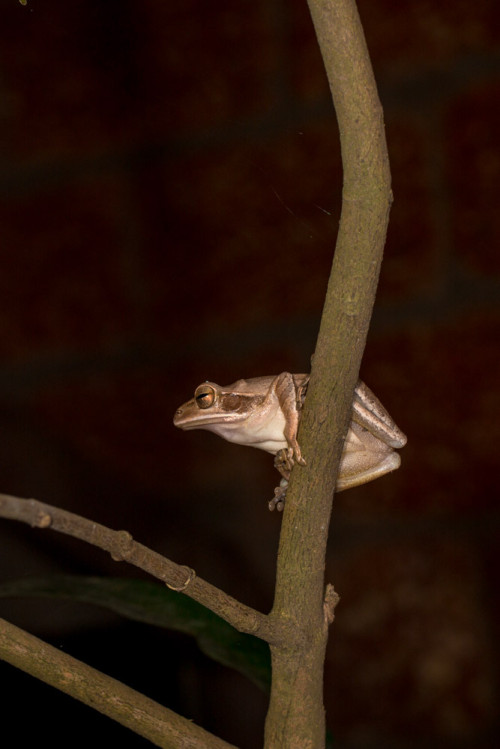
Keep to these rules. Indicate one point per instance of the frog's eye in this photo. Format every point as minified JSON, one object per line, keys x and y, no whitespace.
{"x":204,"y":396}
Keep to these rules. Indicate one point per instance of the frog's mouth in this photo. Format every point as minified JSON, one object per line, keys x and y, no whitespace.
{"x":183,"y":419}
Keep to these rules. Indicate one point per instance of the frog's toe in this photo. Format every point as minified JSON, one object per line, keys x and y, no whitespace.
{"x":278,"y":501}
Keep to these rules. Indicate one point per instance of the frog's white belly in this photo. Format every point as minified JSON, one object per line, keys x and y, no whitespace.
{"x":254,"y":431}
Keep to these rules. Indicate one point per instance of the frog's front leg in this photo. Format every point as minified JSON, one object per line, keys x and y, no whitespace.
{"x":284,"y":462}
{"x":290,"y":391}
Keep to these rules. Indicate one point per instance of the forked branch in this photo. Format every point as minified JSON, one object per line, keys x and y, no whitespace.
{"x":297,"y":626}
{"x":122,"y":548}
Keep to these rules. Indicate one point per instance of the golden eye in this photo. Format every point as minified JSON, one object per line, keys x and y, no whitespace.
{"x":204,"y":396}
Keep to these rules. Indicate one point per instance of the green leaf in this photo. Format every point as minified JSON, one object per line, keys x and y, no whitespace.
{"x":152,"y":603}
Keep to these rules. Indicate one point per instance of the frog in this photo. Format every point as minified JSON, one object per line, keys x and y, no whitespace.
{"x":264,"y":412}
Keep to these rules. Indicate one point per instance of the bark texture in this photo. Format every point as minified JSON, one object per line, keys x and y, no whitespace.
{"x":296,"y":715}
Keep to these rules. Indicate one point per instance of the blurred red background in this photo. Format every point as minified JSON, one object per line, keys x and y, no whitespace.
{"x":171,"y":182}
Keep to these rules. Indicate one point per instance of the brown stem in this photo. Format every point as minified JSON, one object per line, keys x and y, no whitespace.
{"x":122,"y":547}
{"x":160,"y":725}
{"x":296,"y":716}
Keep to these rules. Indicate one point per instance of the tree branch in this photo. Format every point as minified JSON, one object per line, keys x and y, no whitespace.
{"x":297,"y":627}
{"x":296,"y":715}
{"x":132,"y":709}
{"x":122,"y":547}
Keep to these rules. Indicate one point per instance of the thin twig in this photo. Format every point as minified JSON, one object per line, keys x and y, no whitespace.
{"x":132,"y":709}
{"x":123,"y":548}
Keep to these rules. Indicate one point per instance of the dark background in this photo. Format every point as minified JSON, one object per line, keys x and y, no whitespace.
{"x":170,"y":190}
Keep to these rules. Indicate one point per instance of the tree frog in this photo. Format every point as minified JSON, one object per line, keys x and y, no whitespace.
{"x":264,"y":412}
